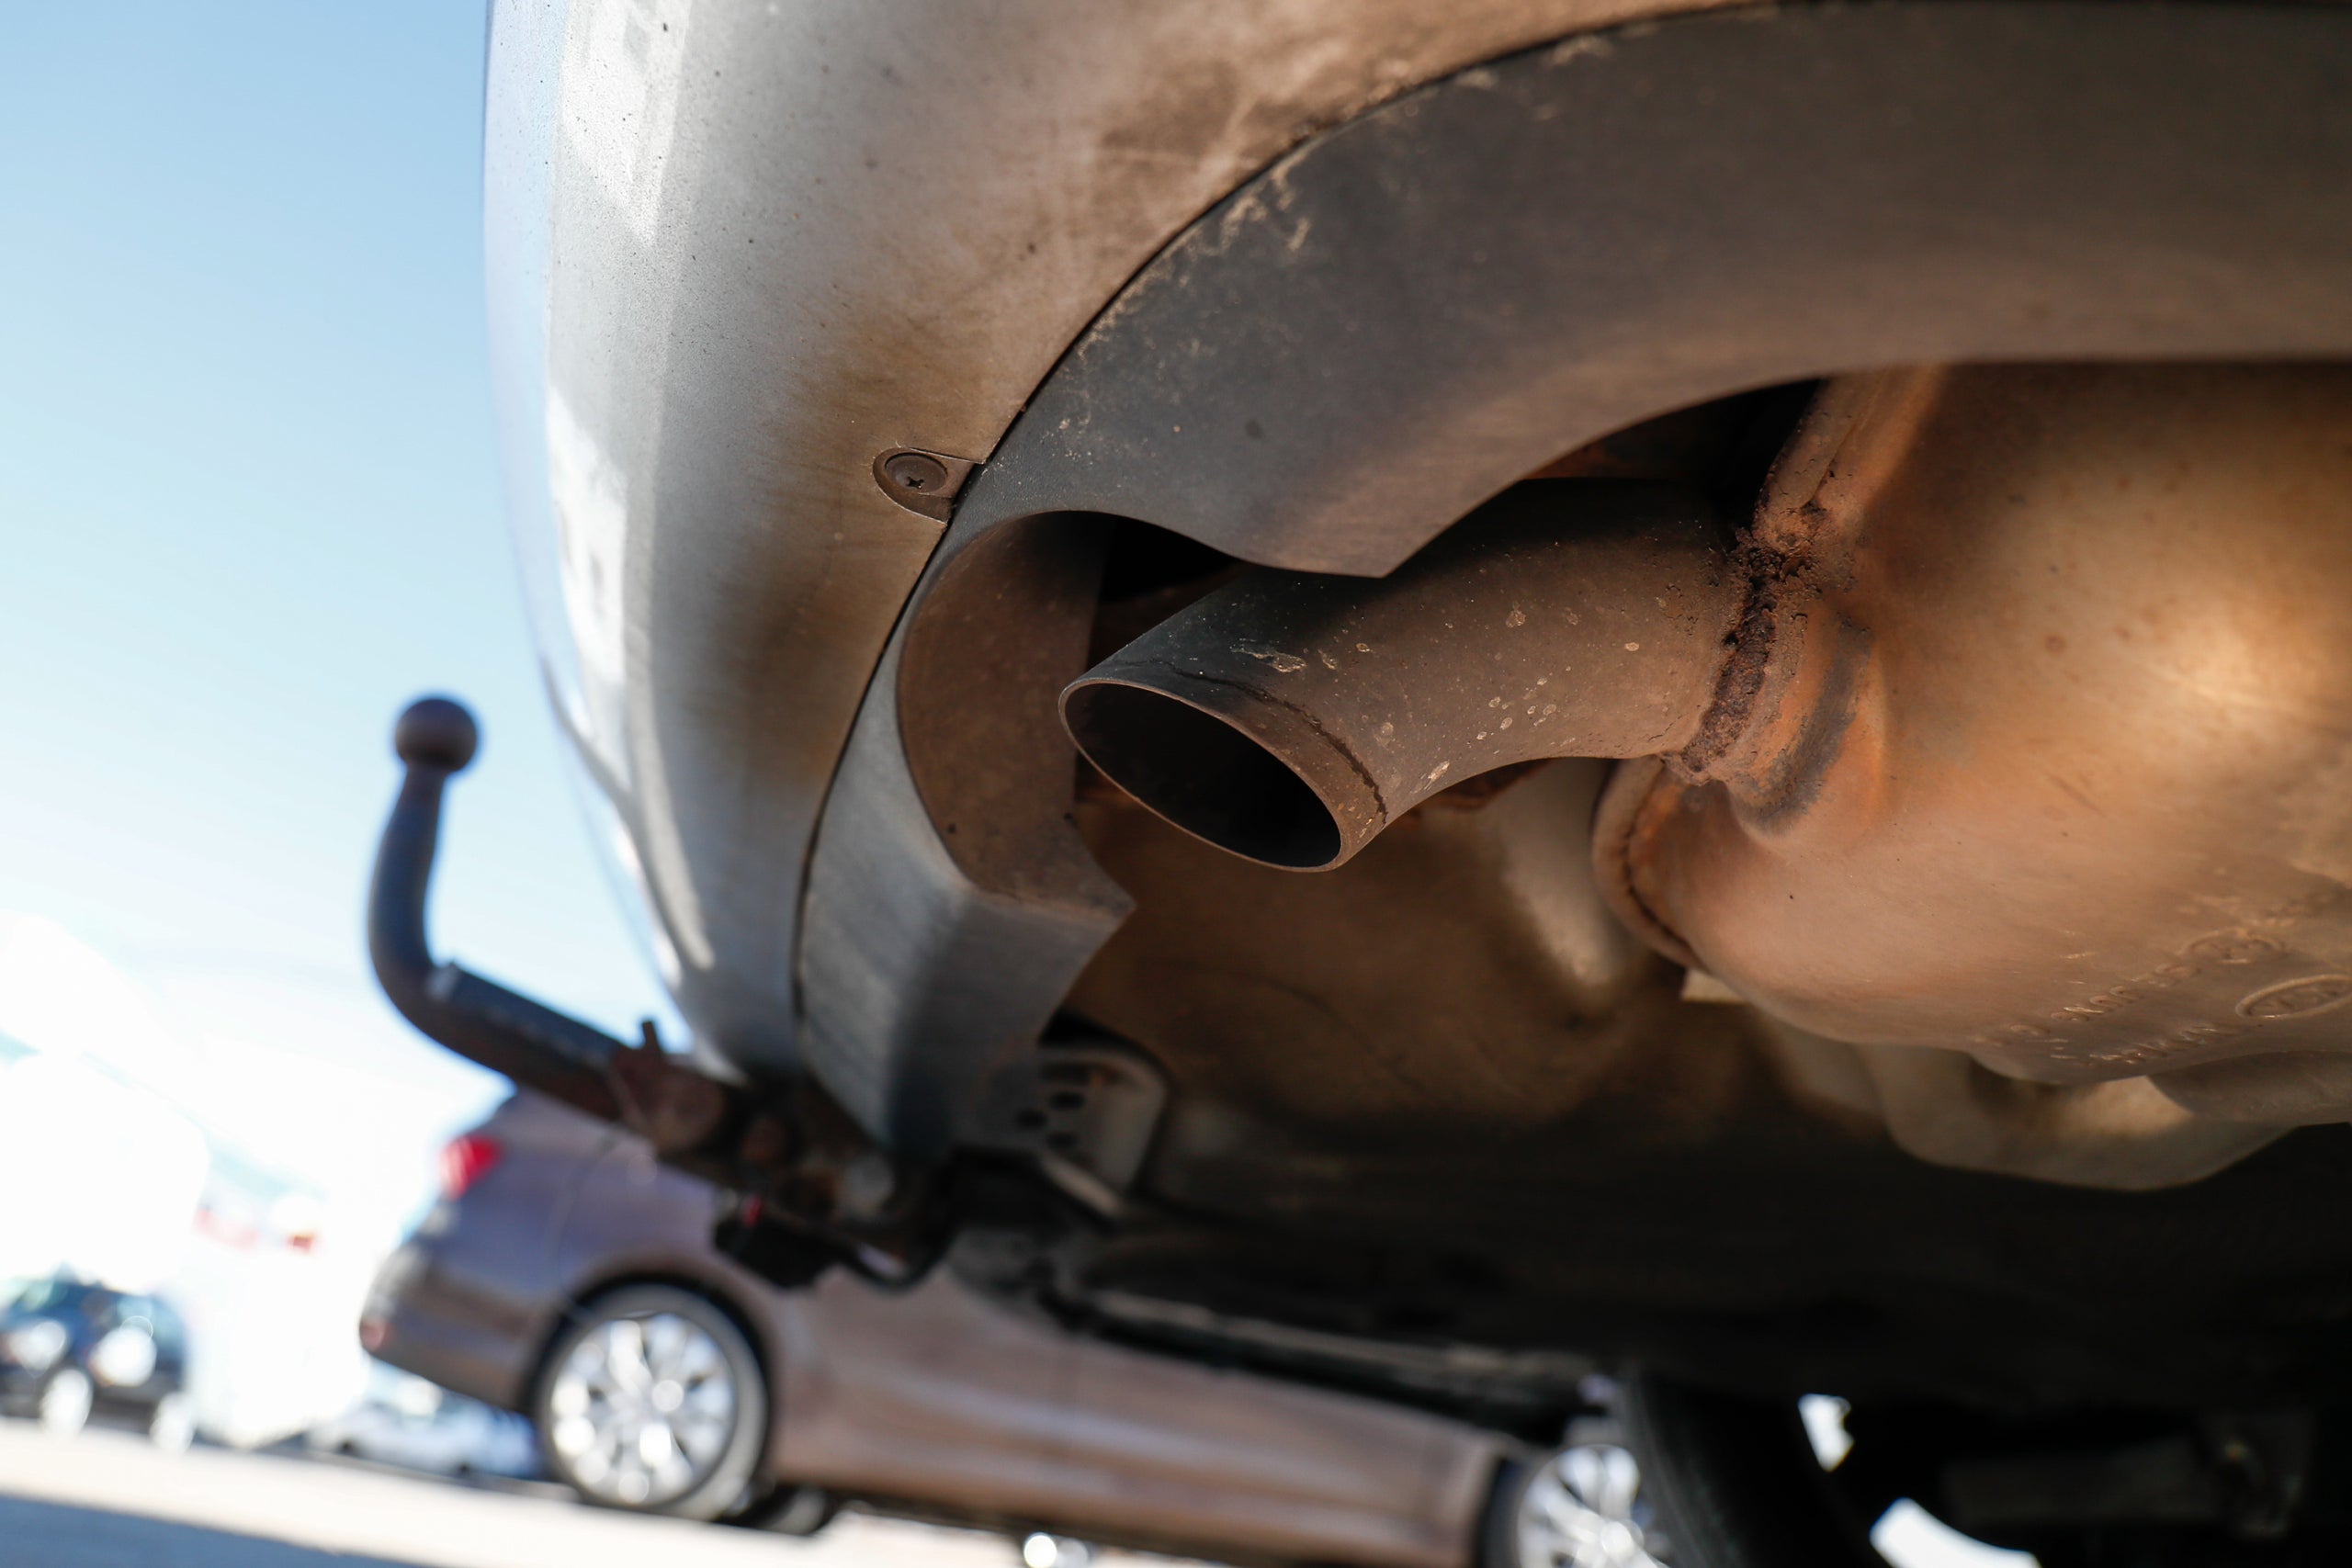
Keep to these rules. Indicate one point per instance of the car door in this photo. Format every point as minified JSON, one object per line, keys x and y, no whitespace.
{"x":931,"y":1394}
{"x":1204,"y":1454}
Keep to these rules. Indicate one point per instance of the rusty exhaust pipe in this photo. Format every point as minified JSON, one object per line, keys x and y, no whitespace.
{"x":1290,"y":716}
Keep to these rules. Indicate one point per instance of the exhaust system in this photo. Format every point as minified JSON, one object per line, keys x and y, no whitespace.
{"x":1289,"y":716}
{"x":2022,"y":728}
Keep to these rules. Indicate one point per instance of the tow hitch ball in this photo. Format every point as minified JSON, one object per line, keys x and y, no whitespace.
{"x":810,"y":1188}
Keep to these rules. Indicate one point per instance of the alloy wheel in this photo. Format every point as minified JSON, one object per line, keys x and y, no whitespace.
{"x":66,"y":1402}
{"x":1582,"y":1508}
{"x":643,"y":1408}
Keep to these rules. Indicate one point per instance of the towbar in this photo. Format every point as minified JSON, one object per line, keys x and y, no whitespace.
{"x":810,"y":1189}
{"x":481,"y":1020}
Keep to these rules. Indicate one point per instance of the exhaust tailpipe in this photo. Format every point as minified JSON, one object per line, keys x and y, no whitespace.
{"x":1289,"y":716}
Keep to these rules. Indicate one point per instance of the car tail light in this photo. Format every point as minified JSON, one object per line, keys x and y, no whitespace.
{"x":465,"y":1160}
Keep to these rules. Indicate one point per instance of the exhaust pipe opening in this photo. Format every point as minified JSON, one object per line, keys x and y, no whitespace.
{"x":1202,"y":774}
{"x":1289,"y":716}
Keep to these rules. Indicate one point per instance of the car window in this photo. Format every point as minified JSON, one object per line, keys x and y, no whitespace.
{"x":29,"y":1297}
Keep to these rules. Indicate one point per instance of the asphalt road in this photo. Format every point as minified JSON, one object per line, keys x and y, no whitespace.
{"x":112,"y":1500}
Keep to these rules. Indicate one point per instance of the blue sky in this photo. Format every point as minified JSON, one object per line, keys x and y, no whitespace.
{"x":250,"y":498}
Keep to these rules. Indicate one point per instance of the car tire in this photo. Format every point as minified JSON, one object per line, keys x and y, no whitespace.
{"x":652,"y":1400}
{"x":172,"y":1424}
{"x":1580,"y":1505}
{"x":1734,"y":1484}
{"x":797,"y":1511}
{"x":65,"y":1399}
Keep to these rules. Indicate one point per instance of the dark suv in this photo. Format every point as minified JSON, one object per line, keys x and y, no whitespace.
{"x":72,"y":1352}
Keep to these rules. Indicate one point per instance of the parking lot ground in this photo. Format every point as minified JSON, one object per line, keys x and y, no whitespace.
{"x":113,"y":1500}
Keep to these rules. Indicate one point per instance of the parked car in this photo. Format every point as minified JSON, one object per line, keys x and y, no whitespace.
{"x":406,"y":1421}
{"x":73,"y":1352}
{"x":569,"y":1275}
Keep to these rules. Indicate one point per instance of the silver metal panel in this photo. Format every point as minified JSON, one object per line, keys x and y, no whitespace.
{"x":743,"y":246}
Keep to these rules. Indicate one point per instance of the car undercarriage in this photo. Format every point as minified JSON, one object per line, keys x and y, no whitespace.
{"x":1665,"y":696}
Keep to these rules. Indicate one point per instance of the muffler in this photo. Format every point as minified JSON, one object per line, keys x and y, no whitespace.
{"x":1289,"y":716}
{"x":2022,"y":727}
{"x":2049,"y":760}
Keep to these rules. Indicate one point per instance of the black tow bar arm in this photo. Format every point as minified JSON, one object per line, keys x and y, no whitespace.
{"x":481,"y":1020}
{"x":792,"y":1156}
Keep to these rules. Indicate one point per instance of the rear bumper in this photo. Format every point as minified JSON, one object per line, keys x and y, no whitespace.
{"x":752,"y":198}
{"x":425,"y":1316}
